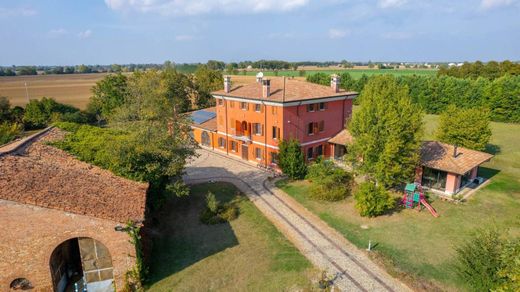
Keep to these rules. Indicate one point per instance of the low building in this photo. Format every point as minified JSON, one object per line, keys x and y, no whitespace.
{"x":447,"y":168}
{"x":250,"y":120}
{"x":62,"y":220}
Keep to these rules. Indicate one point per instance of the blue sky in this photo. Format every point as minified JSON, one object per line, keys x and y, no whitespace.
{"x":59,"y":32}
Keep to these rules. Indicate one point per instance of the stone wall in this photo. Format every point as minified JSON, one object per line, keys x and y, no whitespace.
{"x":29,"y":234}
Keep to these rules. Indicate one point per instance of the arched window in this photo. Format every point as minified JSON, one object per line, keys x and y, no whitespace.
{"x":20,"y":284}
{"x":206,"y":141}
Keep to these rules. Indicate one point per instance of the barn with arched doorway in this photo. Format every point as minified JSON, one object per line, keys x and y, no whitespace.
{"x":63,"y":221}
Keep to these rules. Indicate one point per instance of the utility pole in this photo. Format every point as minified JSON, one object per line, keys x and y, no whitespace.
{"x":26,"y":92}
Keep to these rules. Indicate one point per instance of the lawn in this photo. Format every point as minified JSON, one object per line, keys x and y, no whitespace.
{"x":419,"y":247}
{"x":248,"y":253}
{"x":355,"y":73}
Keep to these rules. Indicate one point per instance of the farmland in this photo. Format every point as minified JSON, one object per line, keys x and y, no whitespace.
{"x":74,"y":89}
{"x":417,"y":246}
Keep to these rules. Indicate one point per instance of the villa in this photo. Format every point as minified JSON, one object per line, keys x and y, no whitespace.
{"x":250,"y":120}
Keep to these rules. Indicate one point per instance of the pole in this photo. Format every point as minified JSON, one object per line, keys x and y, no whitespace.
{"x":26,"y":92}
{"x":369,"y":245}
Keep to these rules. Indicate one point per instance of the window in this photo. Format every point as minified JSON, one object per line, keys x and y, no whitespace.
{"x":234,"y":146}
{"x":258,"y":108}
{"x":221,"y":142}
{"x":319,"y":150}
{"x":257,"y":129}
{"x":220,"y":102}
{"x":276,"y":132}
{"x":310,"y":107}
{"x":322,"y":106}
{"x":244,"y":106}
{"x":321,"y":126}
{"x":309,"y":153}
{"x":310,"y":129}
{"x":258,"y":154}
{"x":274,"y":158}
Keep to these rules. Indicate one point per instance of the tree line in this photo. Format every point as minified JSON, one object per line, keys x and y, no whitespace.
{"x":501,"y":96}
{"x":490,"y":70}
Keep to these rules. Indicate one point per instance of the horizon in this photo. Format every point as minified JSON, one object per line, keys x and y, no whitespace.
{"x":61,"y":33}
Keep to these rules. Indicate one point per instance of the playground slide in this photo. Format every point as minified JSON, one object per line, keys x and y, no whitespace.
{"x":429,"y":207}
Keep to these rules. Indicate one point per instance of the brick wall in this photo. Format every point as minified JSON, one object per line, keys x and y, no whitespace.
{"x":29,"y":234}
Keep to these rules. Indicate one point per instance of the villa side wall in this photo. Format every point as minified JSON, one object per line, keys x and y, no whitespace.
{"x":30,"y":234}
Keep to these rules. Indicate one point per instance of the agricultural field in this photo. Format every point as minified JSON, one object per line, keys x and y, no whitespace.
{"x":355,"y":73}
{"x":71,"y":89}
{"x":248,"y":253}
{"x":418,"y":247}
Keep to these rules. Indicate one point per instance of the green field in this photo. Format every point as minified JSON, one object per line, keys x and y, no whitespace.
{"x":249,"y":253}
{"x":418,"y":247}
{"x":355,"y":73}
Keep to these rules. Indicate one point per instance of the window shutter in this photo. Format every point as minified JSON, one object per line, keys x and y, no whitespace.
{"x":262,"y":130}
{"x":326,"y":105}
{"x":315,"y":125}
{"x":278,"y":133}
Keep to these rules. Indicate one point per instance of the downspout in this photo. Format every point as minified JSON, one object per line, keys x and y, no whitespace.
{"x":265,"y":133}
{"x":343,"y":115}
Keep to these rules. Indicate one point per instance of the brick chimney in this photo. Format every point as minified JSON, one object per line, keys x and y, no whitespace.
{"x":227,"y":84}
{"x":266,"y":88}
{"x":258,"y":79}
{"x":334,"y":82}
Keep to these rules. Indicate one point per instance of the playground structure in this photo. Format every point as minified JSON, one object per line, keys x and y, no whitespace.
{"x":414,"y":197}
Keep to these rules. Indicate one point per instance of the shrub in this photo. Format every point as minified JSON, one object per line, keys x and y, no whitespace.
{"x":216,"y":213}
{"x":479,"y":260}
{"x":39,"y":113}
{"x":329,"y":182}
{"x":212,"y":203}
{"x":372,"y":200}
{"x":9,"y":132}
{"x":291,"y":159}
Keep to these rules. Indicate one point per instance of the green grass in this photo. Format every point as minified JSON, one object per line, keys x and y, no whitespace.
{"x":248,"y":253}
{"x":419,"y":245}
{"x":355,"y":73}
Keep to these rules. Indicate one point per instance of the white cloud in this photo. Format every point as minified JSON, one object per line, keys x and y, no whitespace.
{"x":391,"y":3}
{"x":17,"y":11}
{"x":57,"y":32}
{"x":85,"y":34}
{"x":337,"y":33}
{"x":489,"y":4}
{"x":194,"y":7}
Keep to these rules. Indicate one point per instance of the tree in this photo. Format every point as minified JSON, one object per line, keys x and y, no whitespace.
{"x":329,"y":182}
{"x":5,"y":109}
{"x":108,"y":94}
{"x":8,"y":132}
{"x":292,"y":159}
{"x":510,"y":271}
{"x":465,"y":127}
{"x":387,"y":132}
{"x":216,"y":65}
{"x":39,"y":113}
{"x":372,"y":200}
{"x":206,"y":81}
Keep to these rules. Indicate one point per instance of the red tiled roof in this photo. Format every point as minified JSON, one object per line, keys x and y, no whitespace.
{"x":49,"y":177}
{"x":438,"y":155}
{"x":295,"y":90}
{"x":343,"y":138}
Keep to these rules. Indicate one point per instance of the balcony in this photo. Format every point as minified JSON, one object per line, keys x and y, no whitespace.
{"x":242,"y":131}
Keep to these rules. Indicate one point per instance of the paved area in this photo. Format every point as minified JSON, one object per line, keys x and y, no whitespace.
{"x":322,"y":245}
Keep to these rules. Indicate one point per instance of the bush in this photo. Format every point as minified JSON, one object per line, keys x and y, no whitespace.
{"x":329,"y":182}
{"x":291,"y":159}
{"x":216,"y":213}
{"x":9,"y":132}
{"x":39,"y":113}
{"x":479,"y":260}
{"x":372,"y":200}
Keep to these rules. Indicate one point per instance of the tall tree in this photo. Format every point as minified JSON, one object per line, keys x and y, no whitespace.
{"x":206,"y":81}
{"x":387,"y":132}
{"x":465,"y":127}
{"x":291,"y":159}
{"x":108,"y":94}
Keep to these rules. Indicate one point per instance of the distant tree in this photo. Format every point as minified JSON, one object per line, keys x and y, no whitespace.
{"x":291,"y":159}
{"x":108,"y":94}
{"x":387,"y":132}
{"x":370,"y":64}
{"x":69,"y":70}
{"x":465,"y":127}
{"x":116,"y":68}
{"x":83,"y":69}
{"x":216,"y":65}
{"x":301,"y":73}
{"x":206,"y":81}
{"x":27,"y":70}
{"x":372,"y":200}
{"x":319,"y":78}
{"x":347,"y":82}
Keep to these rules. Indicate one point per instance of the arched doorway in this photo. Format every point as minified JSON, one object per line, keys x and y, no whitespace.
{"x":206,"y":141}
{"x":80,"y":262}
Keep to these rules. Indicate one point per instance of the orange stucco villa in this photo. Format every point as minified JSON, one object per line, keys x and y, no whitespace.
{"x":250,"y":120}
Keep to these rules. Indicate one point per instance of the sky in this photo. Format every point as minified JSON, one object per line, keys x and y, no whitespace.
{"x":65,"y":32}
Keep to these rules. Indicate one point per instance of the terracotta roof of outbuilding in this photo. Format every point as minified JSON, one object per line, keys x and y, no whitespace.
{"x":295,"y":90}
{"x":46,"y":176}
{"x":438,"y":155}
{"x":343,"y":138}
{"x":210,"y":125}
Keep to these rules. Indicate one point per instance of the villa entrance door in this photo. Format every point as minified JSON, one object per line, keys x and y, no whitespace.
{"x":245,"y":152}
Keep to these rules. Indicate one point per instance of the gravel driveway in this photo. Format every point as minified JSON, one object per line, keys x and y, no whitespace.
{"x":322,"y":245}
